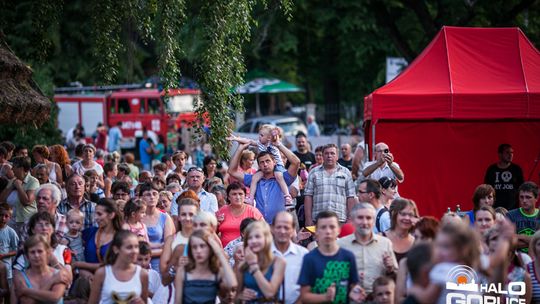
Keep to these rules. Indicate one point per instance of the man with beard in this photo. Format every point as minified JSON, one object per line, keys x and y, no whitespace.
{"x":374,"y":254}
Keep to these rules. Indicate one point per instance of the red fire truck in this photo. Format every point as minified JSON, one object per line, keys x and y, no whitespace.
{"x":135,"y":107}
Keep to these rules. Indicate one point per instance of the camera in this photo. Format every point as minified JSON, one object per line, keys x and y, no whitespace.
{"x":386,"y":151}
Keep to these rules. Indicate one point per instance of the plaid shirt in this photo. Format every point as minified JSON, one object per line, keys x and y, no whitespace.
{"x":61,"y":225}
{"x":330,"y":192}
{"x":87,"y":207}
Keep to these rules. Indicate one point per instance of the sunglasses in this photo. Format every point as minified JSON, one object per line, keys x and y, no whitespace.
{"x":195,"y":169}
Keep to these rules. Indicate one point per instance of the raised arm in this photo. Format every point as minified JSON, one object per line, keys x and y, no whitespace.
{"x":294,"y":161}
{"x":357,"y":161}
{"x":227,"y":274}
{"x":270,"y":288}
{"x":235,"y":162}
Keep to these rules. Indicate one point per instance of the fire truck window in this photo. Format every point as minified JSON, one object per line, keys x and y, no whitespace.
{"x":142,"y":109}
{"x":153,"y":106}
{"x":112,"y":106}
{"x":123,"y":106}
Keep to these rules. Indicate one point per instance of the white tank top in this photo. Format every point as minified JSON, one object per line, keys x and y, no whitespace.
{"x":114,"y":291}
{"x":179,"y":239}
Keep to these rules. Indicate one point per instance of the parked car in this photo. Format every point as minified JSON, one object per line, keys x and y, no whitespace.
{"x":291,"y":125}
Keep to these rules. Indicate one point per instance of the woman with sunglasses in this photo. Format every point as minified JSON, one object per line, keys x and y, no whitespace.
{"x":403,"y":215}
{"x":388,"y":190}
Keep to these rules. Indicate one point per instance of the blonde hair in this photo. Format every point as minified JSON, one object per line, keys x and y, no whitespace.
{"x":465,"y":240}
{"x":265,"y":256}
{"x":268,"y":127}
{"x":206,"y":217}
{"x":74,"y":213}
{"x":532,"y":244}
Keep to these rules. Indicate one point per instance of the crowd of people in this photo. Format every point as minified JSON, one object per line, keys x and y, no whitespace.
{"x":271,"y":226}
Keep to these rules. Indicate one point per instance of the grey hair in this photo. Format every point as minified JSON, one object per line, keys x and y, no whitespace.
{"x":172,"y":186}
{"x":42,"y":166}
{"x":362,"y":205}
{"x":55,"y":192}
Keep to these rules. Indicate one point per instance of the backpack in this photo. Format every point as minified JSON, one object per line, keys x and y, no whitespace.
{"x":378,"y":219}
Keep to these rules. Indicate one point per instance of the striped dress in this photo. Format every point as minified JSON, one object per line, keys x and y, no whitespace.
{"x":534,"y":282}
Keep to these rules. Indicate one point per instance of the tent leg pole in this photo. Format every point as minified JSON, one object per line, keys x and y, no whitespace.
{"x":373,"y":140}
{"x":257,"y":105}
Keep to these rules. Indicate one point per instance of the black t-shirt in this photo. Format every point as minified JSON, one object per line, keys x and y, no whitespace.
{"x":307,"y":159}
{"x":410,"y":299}
{"x":345,"y":163}
{"x":506,"y":183}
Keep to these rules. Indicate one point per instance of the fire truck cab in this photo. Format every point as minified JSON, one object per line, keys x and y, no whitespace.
{"x":135,"y":109}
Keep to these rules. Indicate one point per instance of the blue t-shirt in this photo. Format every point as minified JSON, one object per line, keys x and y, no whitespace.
{"x":525,"y":224}
{"x":9,"y":241}
{"x":145,"y":157}
{"x":319,"y":272}
{"x":90,"y":250}
{"x":269,"y":198}
{"x":114,"y":139}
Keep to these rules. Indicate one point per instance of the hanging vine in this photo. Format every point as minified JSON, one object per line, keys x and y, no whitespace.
{"x":220,"y":65}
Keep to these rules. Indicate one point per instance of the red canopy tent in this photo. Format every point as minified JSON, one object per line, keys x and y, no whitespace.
{"x":470,"y":90}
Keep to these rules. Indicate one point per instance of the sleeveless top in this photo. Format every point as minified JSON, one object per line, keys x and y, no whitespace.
{"x":399,"y":255}
{"x":114,"y":291}
{"x":179,"y":239}
{"x":155,"y":235}
{"x":200,"y":291}
{"x":534,"y":282}
{"x":251,"y":283}
{"x":29,"y":284}
{"x":52,"y":172}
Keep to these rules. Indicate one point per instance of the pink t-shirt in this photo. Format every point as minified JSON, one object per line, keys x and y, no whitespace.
{"x":230,"y":225}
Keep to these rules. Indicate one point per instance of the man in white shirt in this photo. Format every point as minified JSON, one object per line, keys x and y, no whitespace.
{"x":283,"y":231}
{"x":383,"y":165}
{"x":195,"y":179}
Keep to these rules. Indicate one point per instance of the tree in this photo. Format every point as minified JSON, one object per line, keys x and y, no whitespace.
{"x":219,"y":67}
{"x":337,"y":49}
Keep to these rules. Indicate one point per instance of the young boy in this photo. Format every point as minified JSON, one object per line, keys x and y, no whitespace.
{"x":73,"y":238}
{"x":143,"y":260}
{"x":419,"y":263}
{"x":267,"y":134}
{"x":383,"y":290}
{"x":9,"y":240}
{"x":328,"y":272}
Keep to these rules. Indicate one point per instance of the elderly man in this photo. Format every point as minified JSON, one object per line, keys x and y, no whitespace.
{"x":48,"y":197}
{"x":75,"y":185}
{"x":195,"y":179}
{"x":269,"y":198}
{"x":330,"y":188}
{"x":383,"y":165}
{"x":283,"y":230}
{"x":374,"y":254}
{"x":312,"y":127}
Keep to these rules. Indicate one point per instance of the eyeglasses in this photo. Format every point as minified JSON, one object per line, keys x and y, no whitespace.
{"x":43,"y":225}
{"x":407,"y":214}
{"x":360,"y":191}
